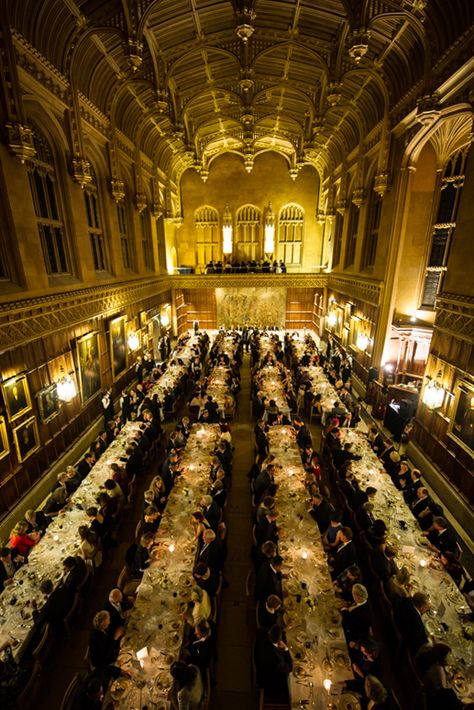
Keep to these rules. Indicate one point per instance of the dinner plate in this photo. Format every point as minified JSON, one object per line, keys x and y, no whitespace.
{"x":163,"y":681}
{"x":348,"y":701}
{"x":300,"y":672}
{"x":293,"y":586}
{"x":173,"y":640}
{"x":340,"y":659}
{"x":298,"y":652}
{"x":120,"y":688}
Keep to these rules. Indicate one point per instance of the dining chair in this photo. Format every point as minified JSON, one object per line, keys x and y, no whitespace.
{"x":43,"y":648}
{"x":26,"y":699}
{"x":70,"y":693}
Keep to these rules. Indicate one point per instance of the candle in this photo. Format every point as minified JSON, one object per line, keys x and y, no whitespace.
{"x":423,"y":563}
{"x":55,"y":538}
{"x":171,"y":548}
{"x":327,"y":683}
{"x":304,"y":555}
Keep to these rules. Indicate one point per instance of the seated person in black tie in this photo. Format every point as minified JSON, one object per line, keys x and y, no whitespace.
{"x":269,"y":612}
{"x":273,"y":664}
{"x":345,"y":555}
{"x":119,"y":608}
{"x":268,"y":579}
{"x":357,"y":618}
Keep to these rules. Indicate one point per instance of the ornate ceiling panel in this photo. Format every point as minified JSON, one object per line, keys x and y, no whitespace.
{"x":189,"y":79}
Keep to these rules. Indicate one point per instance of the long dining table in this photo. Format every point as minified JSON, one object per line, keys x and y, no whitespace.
{"x":313,"y":623}
{"x":447,"y":619}
{"x":61,"y":539}
{"x":156,"y":628}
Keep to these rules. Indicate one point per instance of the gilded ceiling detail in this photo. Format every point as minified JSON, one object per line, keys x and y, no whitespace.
{"x":186,"y":80}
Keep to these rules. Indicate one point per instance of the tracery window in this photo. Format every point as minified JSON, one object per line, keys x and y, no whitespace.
{"x":290,"y":234}
{"x":337,"y":248}
{"x":444,"y":226}
{"x":44,"y":191}
{"x":247,"y":237}
{"x":94,"y":225}
{"x":208,"y":242}
{"x":372,"y":234}
{"x":352,"y":235}
{"x":124,"y":235}
{"x":147,"y":243}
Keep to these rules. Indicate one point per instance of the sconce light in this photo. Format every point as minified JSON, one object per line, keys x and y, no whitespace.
{"x":165,"y":320}
{"x":434,"y":393}
{"x":269,"y":244}
{"x":362,"y":342}
{"x":66,"y":387}
{"x":227,"y":231}
{"x":133,"y":340}
{"x":332,"y":319}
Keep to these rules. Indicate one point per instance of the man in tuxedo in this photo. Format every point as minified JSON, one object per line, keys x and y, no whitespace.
{"x":345,"y":555}
{"x":119,"y":609}
{"x":213,"y":551}
{"x":263,"y":481}
{"x":357,"y":619}
{"x":342,"y":456}
{"x":273,"y":664}
{"x":211,"y":511}
{"x":321,"y":510}
{"x":268,"y":579}
{"x":408,"y":617}
{"x":84,"y":466}
{"x":58,"y":604}
{"x":440,"y":538}
{"x":382,"y":558}
{"x":266,"y":528}
{"x":75,"y":572}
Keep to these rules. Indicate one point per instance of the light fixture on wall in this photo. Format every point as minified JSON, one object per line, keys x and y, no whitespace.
{"x":434,"y":393}
{"x":66,"y":387}
{"x":362,"y":342}
{"x":133,"y":340}
{"x":165,"y":320}
{"x":332,"y":319}
{"x":227,"y":231}
{"x":269,"y":245}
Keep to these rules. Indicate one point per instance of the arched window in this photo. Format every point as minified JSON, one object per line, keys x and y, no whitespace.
{"x":290,"y":234}
{"x":94,"y":224}
{"x":444,"y":226}
{"x":44,"y":190}
{"x":247,"y":233}
{"x":337,"y":238}
{"x":124,"y":231}
{"x":208,"y":242}
{"x":372,"y":234}
{"x":147,"y":242}
{"x":353,"y":226}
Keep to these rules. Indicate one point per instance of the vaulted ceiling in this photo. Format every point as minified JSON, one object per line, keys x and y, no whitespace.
{"x":186,"y":80}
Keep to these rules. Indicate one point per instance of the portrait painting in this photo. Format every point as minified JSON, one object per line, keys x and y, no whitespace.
{"x":88,"y":362}
{"x":463,"y":421}
{"x":26,"y":438}
{"x":118,"y":346}
{"x":16,"y":396}
{"x":48,"y":402}
{"x":4,"y":447}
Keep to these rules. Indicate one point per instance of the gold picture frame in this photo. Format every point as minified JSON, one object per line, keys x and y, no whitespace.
{"x":88,"y":365}
{"x":118,"y":346}
{"x":4,"y":445}
{"x":461,"y":427}
{"x":16,"y":396}
{"x":26,"y":438}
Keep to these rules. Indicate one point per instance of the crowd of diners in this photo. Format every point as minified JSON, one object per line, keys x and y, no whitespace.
{"x":246,"y":267}
{"x":98,"y":538}
{"x":358,"y":553}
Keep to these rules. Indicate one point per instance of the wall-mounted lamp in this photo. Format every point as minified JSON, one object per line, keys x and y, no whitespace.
{"x":362,"y":342}
{"x":133,"y":340}
{"x":227,"y":231}
{"x":165,"y":320}
{"x":269,"y":245}
{"x":332,"y":319}
{"x":66,"y":387}
{"x":434,"y":393}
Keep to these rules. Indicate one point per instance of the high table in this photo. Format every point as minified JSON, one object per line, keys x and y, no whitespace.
{"x":313,"y":622}
{"x":445,"y":621}
{"x":155,"y":629}
{"x":60,"y":540}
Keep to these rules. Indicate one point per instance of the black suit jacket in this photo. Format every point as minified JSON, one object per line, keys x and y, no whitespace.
{"x":322,"y":514}
{"x":103,"y":649}
{"x":267,"y":582}
{"x":213,"y":554}
{"x":410,"y":624}
{"x":213,"y":515}
{"x":83,"y":468}
{"x":273,"y":666}
{"x":344,"y":558}
{"x":357,"y":622}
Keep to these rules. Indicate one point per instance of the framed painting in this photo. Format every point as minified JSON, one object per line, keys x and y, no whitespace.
{"x":88,"y":364}
{"x":17,"y":396}
{"x":4,"y":446}
{"x":48,"y":402}
{"x":26,"y":438}
{"x":462,"y":423}
{"x":118,"y":346}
